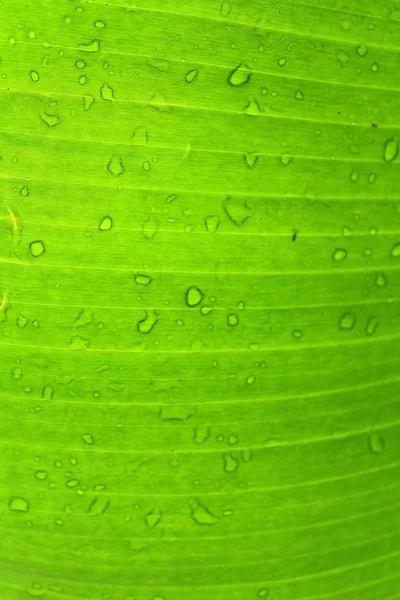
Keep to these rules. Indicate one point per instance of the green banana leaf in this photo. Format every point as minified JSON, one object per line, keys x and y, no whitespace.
{"x":199,"y":299}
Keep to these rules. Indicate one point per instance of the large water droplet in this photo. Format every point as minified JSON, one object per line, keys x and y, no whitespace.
{"x":240,"y":75}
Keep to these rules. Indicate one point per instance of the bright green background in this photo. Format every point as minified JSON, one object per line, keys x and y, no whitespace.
{"x":234,"y":443}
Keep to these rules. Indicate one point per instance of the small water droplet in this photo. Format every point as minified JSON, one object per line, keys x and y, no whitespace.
{"x":342,"y":57}
{"x":72,"y":483}
{"x":78,"y":343}
{"x":206,"y":310}
{"x":282,"y":62}
{"x":250,"y":380}
{"x":140,"y":136}
{"x":191,"y":76}
{"x":41,"y":475}
{"x":396,"y":251}
{"x":99,"y":24}
{"x":142,"y":279}
{"x":147,"y":324}
{"x":225,"y":8}
{"x":18,"y":504}
{"x":354,"y":176}
{"x":391,"y":150}
{"x":50,"y":120}
{"x":372,"y":326}
{"x":380,"y":280}
{"x":16,"y":373}
{"x":347,"y":321}
{"x":230,"y":463}
{"x":299,"y":95}
{"x":339,"y":254}
{"x":80,"y":64}
{"x":93,"y":46}
{"x":251,"y":159}
{"x":253,"y":109}
{"x":194,"y":296}
{"x":212,"y":223}
{"x":202,"y":515}
{"x":240,"y":75}
{"x":24,"y":191}
{"x":286,"y":159}
{"x":37,"y":248}
{"x":87,"y":102}
{"x":375,"y":67}
{"x":47,"y":392}
{"x":22,"y":321}
{"x":376,"y":443}
{"x":238,"y":211}
{"x":106,"y":92}
{"x":87,"y":438}
{"x":233,"y":320}
{"x":106,"y":224}
{"x":153,"y":518}
{"x":201,"y":433}
{"x":34,"y":76}
{"x":98,"y":506}
{"x":115,"y":166}
{"x":150,"y":226}
{"x":362,"y":50}
{"x":82,"y":80}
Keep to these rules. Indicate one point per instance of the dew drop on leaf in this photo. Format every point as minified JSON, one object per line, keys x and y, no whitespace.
{"x":339,"y":254}
{"x":37,"y":248}
{"x":153,"y":518}
{"x":194,"y":296}
{"x":115,"y":166}
{"x":47,"y":392}
{"x":251,"y":158}
{"x":202,"y":515}
{"x":240,"y":75}
{"x":106,"y":224}
{"x":93,"y":46}
{"x":142,"y":279}
{"x":347,"y":321}
{"x":18,"y":504}
{"x":396,"y":251}
{"x":391,"y":150}
{"x":372,"y":326}
{"x":106,"y":92}
{"x":147,"y":324}
{"x":87,"y":438}
{"x":376,"y":443}
{"x":22,"y":321}
{"x":230,"y":463}
{"x":233,"y":320}
{"x":191,"y":75}
{"x":140,"y":136}
{"x":34,"y":76}
{"x":212,"y":223}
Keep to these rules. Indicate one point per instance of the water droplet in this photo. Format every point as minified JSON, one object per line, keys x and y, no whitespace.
{"x":380,"y":280}
{"x":191,"y":76}
{"x":18,"y":504}
{"x":153,"y":518}
{"x":202,"y":515}
{"x":142,"y":279}
{"x":47,"y":392}
{"x":50,"y":120}
{"x":225,"y":8}
{"x":150,"y":227}
{"x":87,"y":102}
{"x":201,"y":433}
{"x":146,"y":166}
{"x":299,"y":95}
{"x":339,"y":254}
{"x":282,"y":62}
{"x":247,"y":454}
{"x":240,"y":75}
{"x":250,"y":380}
{"x":376,"y":443}
{"x":354,"y":177}
{"x":16,"y":373}
{"x":106,"y":224}
{"x":99,"y":24}
{"x":375,"y":67}
{"x":24,"y":191}
{"x":106,"y":92}
{"x":59,"y":522}
{"x":194,"y":296}
{"x":37,"y":248}
{"x":147,"y":324}
{"x":160,"y":103}
{"x":286,"y":159}
{"x":22,"y":321}
{"x":140,"y":136}
{"x":391,"y":150}
{"x":396,"y":251}
{"x":233,"y":320}
{"x":342,"y":57}
{"x":230,"y":463}
{"x":372,"y":326}
{"x":212,"y":223}
{"x":41,"y":475}
{"x":80,"y":64}
{"x":87,"y":438}
{"x":82,"y":80}
{"x":238,"y":211}
{"x":347,"y":321}
{"x":253,"y":109}
{"x":232,"y":440}
{"x":362,"y":50}
{"x":93,"y":46}
{"x":34,"y":76}
{"x":85,"y":317}
{"x":251,"y":159}
{"x":372,"y":178}
{"x":264,"y":593}
{"x":98,"y":506}
{"x":206,"y":310}
{"x":78,"y":343}
{"x":115,"y":166}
